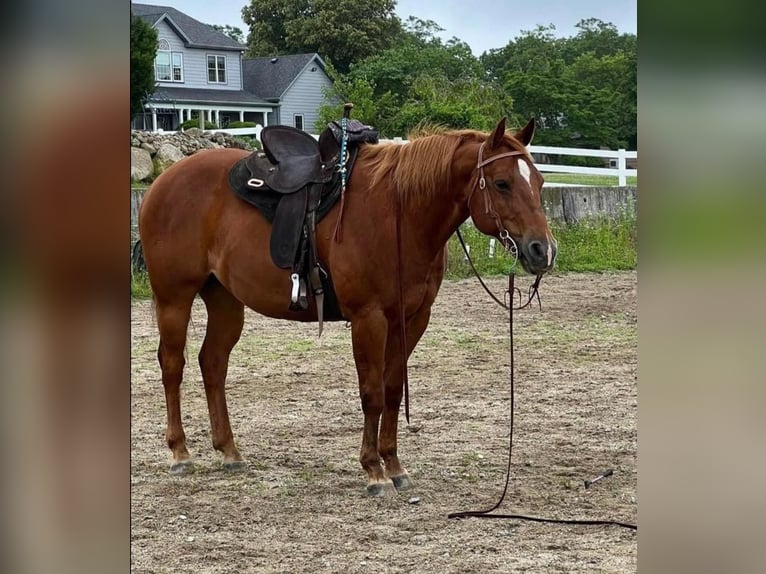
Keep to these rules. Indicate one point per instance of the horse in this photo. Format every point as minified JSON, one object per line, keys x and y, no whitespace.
{"x":401,"y":205}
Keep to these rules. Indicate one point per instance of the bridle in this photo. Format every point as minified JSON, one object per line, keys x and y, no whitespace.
{"x":503,"y":233}
{"x":489,"y":206}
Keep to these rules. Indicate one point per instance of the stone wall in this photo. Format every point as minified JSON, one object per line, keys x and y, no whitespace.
{"x":153,"y":152}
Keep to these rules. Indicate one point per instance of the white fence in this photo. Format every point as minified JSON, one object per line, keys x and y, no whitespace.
{"x":620,"y":169}
{"x":619,"y":156}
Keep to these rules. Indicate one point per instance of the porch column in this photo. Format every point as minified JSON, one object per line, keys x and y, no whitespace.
{"x":180,"y":117}
{"x":154,"y":120}
{"x":265,"y":119}
{"x":242,"y":115}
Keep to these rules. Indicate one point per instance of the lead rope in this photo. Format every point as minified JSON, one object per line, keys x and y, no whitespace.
{"x":487,"y":513}
{"x":402,"y":317}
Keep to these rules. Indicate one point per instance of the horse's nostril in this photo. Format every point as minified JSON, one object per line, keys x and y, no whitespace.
{"x":536,"y":249}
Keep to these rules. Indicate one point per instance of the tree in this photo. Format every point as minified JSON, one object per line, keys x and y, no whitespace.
{"x":232,"y":32}
{"x":581,"y":90}
{"x":143,"y":50}
{"x":420,"y":80}
{"x":341,"y":31}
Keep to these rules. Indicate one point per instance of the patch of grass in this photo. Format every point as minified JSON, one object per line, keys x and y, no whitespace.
{"x":139,"y":286}
{"x":586,"y":179}
{"x":297,"y":346}
{"x":589,"y":245}
{"x":457,"y":264}
{"x":597,"y":245}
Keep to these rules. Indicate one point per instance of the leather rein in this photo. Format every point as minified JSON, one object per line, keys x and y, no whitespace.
{"x":511,"y":246}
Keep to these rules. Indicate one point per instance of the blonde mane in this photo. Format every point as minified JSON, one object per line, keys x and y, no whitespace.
{"x":421,"y":168}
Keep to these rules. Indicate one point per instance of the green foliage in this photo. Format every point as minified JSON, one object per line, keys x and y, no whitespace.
{"x":143,"y":49}
{"x":341,"y":31}
{"x":420,"y":80}
{"x":457,"y":264}
{"x":139,"y":286}
{"x":589,"y":245}
{"x":597,"y":245}
{"x":253,"y":141}
{"x":581,"y":90}
{"x":194,"y":123}
{"x":232,"y":32}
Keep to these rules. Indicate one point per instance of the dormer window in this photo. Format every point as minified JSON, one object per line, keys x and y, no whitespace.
{"x":168,"y":65}
{"x":216,"y":69}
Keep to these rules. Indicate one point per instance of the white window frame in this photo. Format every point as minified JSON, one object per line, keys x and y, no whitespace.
{"x":295,"y":121}
{"x":217,"y":70}
{"x":171,"y":65}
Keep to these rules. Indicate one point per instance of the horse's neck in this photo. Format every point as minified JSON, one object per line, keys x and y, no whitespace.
{"x":434,"y":220}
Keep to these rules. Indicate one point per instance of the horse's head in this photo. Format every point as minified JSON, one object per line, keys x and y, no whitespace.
{"x":506,"y":200}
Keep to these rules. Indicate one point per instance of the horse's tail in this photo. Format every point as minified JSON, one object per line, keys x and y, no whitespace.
{"x":137,"y":262}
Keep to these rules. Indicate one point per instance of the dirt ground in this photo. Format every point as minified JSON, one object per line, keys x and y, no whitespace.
{"x":296,"y":415}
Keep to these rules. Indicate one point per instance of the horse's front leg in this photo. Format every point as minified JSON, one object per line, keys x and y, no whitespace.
{"x":368,"y":337}
{"x":387,"y":446}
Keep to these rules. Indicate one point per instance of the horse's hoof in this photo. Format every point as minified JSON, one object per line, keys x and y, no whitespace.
{"x":182,"y":467}
{"x":402,"y":482}
{"x":235,"y":466}
{"x":381,"y":489}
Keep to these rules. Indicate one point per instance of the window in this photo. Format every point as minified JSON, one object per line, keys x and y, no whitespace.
{"x":216,"y":69}
{"x":298,"y":121}
{"x":168,"y":65}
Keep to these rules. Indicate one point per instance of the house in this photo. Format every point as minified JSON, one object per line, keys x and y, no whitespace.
{"x":198,"y":72}
{"x":201,"y":72}
{"x":296,"y":83}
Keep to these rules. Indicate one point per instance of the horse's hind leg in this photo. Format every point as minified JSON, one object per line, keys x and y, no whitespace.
{"x":172,"y":321}
{"x":226,"y":316}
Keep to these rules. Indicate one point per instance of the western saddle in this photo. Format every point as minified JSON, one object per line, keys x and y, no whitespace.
{"x":294,"y":182}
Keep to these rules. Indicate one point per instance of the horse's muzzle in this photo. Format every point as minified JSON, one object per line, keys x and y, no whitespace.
{"x":538,"y":255}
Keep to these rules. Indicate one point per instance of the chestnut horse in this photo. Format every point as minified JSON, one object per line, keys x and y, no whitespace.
{"x":199,"y":238}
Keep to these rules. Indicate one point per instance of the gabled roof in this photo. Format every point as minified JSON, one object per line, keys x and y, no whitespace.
{"x":194,"y":33}
{"x":270,"y":78}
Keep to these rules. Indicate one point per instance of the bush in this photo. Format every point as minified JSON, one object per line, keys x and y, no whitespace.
{"x":252,"y":141}
{"x":234,"y":125}
{"x":194,"y":123}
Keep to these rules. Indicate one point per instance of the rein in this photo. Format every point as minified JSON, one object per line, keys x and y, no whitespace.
{"x":510,"y":244}
{"x":488,"y":512}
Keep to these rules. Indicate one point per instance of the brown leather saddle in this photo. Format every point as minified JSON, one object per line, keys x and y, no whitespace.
{"x":294,"y":182}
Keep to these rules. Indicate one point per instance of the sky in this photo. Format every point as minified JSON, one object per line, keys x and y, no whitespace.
{"x":482,"y":24}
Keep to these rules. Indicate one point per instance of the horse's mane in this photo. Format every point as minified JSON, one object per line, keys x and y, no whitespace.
{"x":422,"y":167}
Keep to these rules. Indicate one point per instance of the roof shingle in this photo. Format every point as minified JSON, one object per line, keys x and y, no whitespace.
{"x":200,"y":35}
{"x":270,"y":77}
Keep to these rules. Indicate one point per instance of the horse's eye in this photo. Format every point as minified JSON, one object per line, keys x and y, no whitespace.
{"x":502,"y":185}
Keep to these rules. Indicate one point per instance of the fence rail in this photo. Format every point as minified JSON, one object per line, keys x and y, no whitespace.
{"x":621,"y":155}
{"x":621,"y":170}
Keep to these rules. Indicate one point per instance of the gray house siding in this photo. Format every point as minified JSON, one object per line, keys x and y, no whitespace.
{"x":195,"y":63}
{"x":304,"y":97}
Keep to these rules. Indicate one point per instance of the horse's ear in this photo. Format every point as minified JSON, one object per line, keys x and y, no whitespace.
{"x":526,"y":133}
{"x":497,"y":136}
